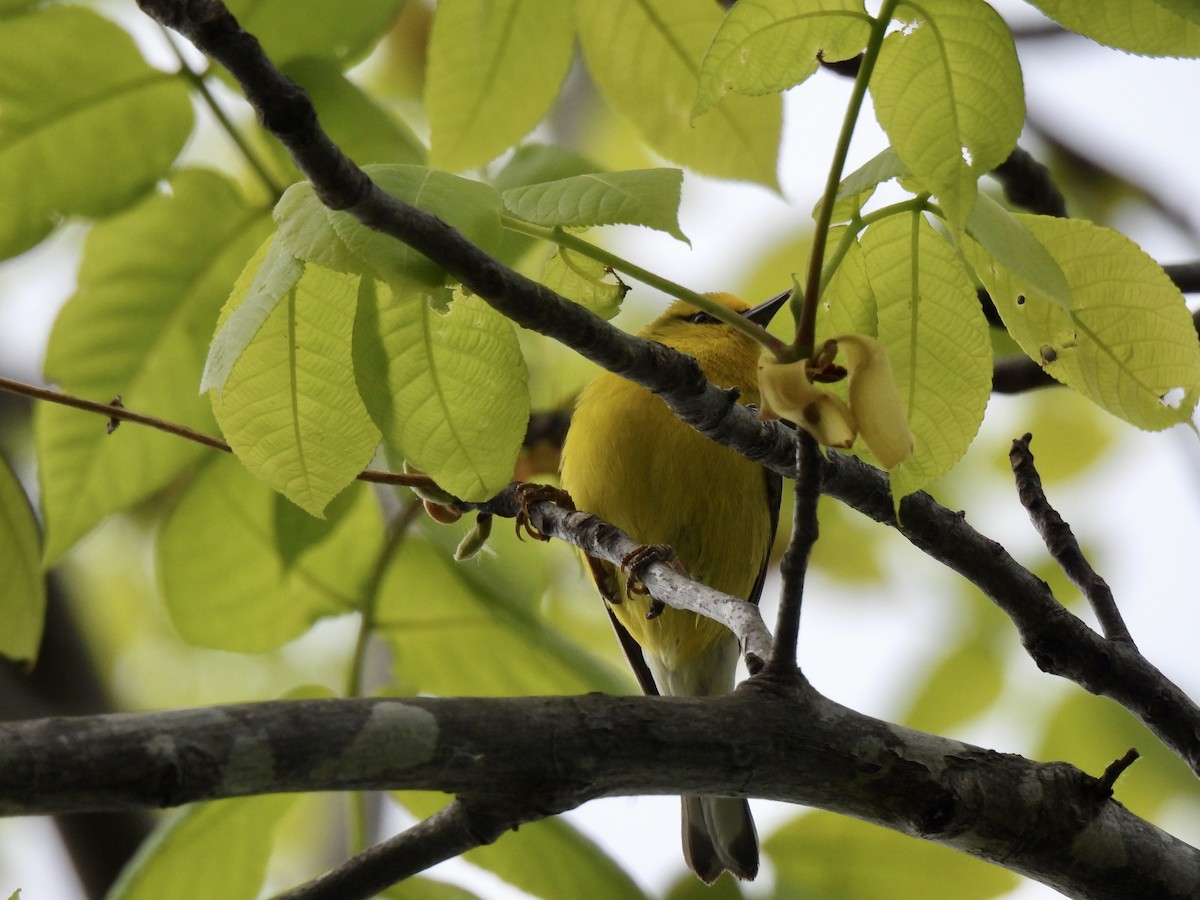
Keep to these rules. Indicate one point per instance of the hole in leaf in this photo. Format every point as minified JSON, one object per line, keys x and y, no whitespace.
{"x":1020,"y":299}
{"x":1049,"y":354}
{"x":1173,"y":398}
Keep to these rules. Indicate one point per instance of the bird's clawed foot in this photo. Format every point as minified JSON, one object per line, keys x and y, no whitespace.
{"x":636,"y":561}
{"x":531,"y":492}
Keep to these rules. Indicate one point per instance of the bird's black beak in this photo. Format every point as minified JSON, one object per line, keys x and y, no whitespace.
{"x":765,"y":312}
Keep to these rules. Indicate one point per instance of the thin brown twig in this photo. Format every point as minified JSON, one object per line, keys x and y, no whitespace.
{"x":115,"y":410}
{"x":1061,"y":543}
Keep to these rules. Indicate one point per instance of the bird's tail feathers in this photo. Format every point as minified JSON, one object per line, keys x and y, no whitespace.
{"x":719,"y":835}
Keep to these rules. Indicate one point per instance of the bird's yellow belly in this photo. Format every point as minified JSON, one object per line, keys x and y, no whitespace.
{"x":635,"y":465}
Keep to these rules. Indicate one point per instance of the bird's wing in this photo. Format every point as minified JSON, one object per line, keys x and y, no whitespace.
{"x":605,"y":577}
{"x":774,"y":498}
{"x":633,"y":653}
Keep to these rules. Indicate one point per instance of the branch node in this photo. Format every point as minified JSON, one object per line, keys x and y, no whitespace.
{"x":1106,"y":781}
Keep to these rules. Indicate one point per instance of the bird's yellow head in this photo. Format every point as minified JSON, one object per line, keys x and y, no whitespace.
{"x":727,"y":357}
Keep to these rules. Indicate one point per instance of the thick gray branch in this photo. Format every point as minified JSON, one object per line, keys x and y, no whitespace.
{"x":544,"y":755}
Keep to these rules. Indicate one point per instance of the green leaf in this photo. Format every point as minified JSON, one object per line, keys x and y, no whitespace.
{"x":538,"y":163}
{"x":225,"y":582}
{"x":1127,"y":342}
{"x":582,"y":279}
{"x":632,"y":44}
{"x":857,"y":187}
{"x":362,"y":128}
{"x":1158,"y":28}
{"x":306,"y":234}
{"x":290,"y":29}
{"x":150,"y":285}
{"x":265,"y":280}
{"x":534,"y":164}
{"x":948,"y":92}
{"x":1002,"y":235}
{"x":290,"y":407}
{"x":74,"y":88}
{"x":767,"y":46}
{"x":495,"y":67}
{"x":23,"y":599}
{"x":548,"y":858}
{"x":480,"y":638}
{"x":448,"y":391}
{"x":338,"y":241}
{"x":848,"y":305}
{"x":820,"y":854}
{"x":965,"y":683}
{"x":936,"y":336}
{"x":178,"y":858}
{"x":647,"y":197}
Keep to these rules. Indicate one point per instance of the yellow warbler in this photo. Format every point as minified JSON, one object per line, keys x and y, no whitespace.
{"x":630,"y":461}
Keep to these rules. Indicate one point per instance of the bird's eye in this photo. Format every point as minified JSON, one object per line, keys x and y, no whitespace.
{"x":701,"y":318}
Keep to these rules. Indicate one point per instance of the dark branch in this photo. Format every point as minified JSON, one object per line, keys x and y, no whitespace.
{"x":546,"y":754}
{"x":794,"y":566}
{"x":1061,"y":543}
{"x":450,"y":832}
{"x":1058,"y":641}
{"x":1027,"y":183}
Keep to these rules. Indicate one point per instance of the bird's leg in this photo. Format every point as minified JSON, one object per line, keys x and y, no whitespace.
{"x":635,"y":561}
{"x":531,"y":492}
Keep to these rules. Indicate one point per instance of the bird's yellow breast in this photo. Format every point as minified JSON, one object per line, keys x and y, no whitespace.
{"x":630,"y":461}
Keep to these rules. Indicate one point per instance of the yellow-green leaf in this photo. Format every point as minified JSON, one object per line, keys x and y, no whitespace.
{"x":178,"y":860}
{"x":821,"y":854}
{"x":225,"y":582}
{"x":73,"y":88}
{"x":495,"y":67}
{"x":584,"y":280}
{"x":290,"y":407}
{"x":150,"y":287}
{"x":1128,"y":342}
{"x":948,"y":92}
{"x":23,"y":598}
{"x":481,"y":637}
{"x":648,"y":197}
{"x":448,"y":390}
{"x":964,"y":684}
{"x":268,"y":276}
{"x":293,"y":29}
{"x":470,"y":206}
{"x":767,"y":46}
{"x":857,"y":187}
{"x":364,"y":130}
{"x":630,"y":45}
{"x":1150,"y":27}
{"x":1002,"y":235}
{"x":936,"y":338}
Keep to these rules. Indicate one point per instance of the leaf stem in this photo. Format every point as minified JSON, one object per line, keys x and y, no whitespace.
{"x":556,"y":235}
{"x":858,"y":223}
{"x":197,"y":80}
{"x":806,"y":319}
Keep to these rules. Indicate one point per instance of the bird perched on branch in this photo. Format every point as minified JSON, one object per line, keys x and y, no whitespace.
{"x":629,"y":460}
